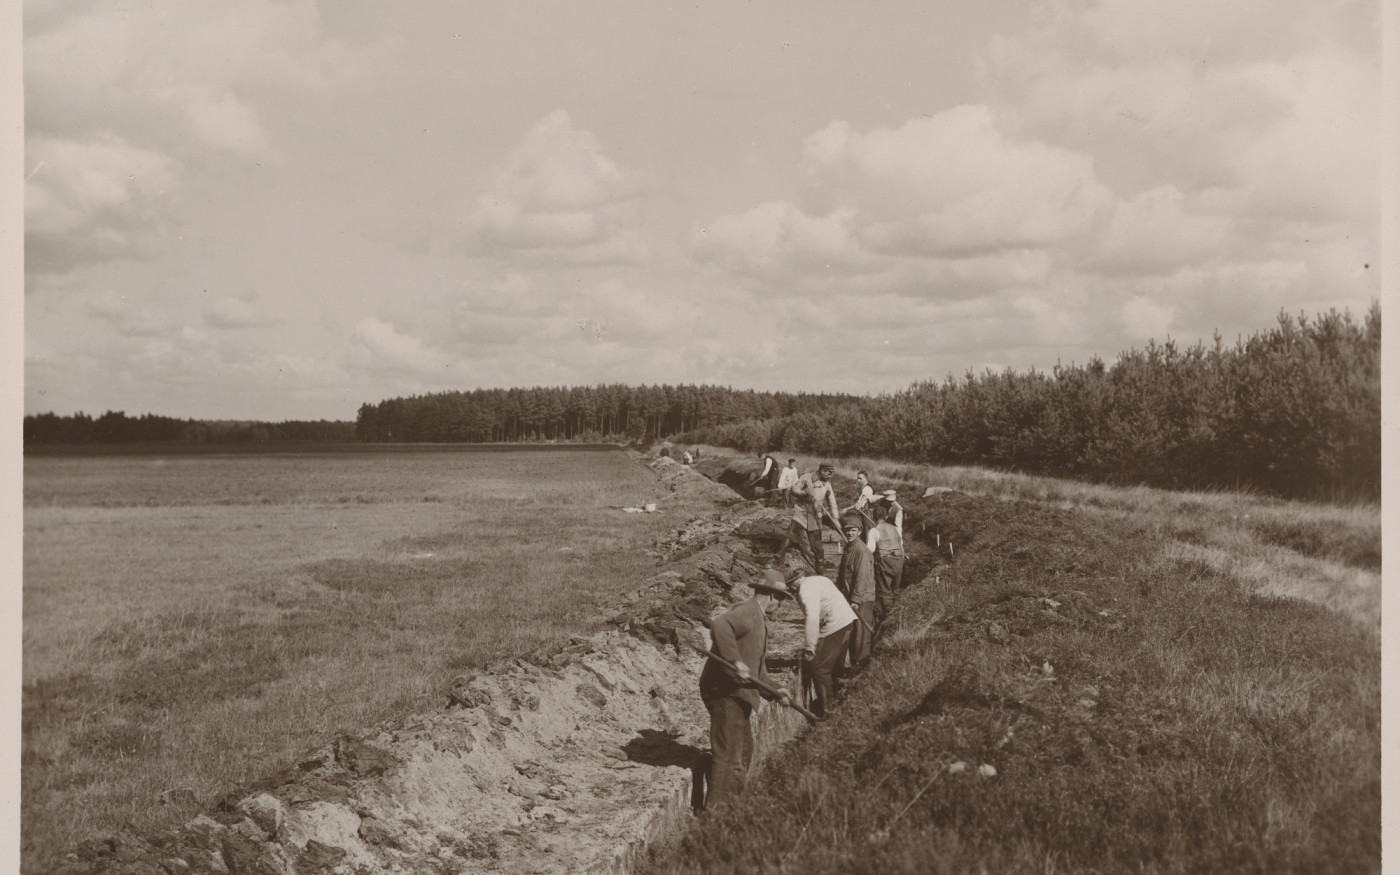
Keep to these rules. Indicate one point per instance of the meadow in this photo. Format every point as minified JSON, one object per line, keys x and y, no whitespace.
{"x":195,"y":622}
{"x":1104,"y":680}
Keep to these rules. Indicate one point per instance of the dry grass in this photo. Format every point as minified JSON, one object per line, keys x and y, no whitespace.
{"x":1325,"y":553}
{"x":1147,"y":706}
{"x":196,"y":623}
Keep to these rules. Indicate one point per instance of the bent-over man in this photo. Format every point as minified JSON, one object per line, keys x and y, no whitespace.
{"x":827,"y":634}
{"x":767,"y":478}
{"x":740,"y":637}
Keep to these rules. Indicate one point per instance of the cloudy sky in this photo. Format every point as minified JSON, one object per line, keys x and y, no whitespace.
{"x":278,"y":210}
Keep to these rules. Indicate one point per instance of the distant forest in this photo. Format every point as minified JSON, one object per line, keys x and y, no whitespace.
{"x":1294,"y":410}
{"x":115,"y":427}
{"x":578,"y":413}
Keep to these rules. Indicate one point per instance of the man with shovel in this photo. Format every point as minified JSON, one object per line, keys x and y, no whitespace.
{"x":729,"y":684}
{"x":815,"y":503}
{"x":828,"y":621}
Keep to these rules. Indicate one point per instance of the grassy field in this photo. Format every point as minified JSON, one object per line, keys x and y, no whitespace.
{"x":1155,"y":682}
{"x":192,"y":623}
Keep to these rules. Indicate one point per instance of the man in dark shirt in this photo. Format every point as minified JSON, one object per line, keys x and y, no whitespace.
{"x":856,"y":580}
{"x":740,"y":638}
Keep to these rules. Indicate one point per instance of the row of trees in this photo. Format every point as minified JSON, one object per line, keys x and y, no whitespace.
{"x":115,"y":427}
{"x":1294,"y":410}
{"x":576,"y":413}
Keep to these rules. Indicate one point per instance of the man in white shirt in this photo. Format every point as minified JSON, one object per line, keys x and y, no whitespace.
{"x":829,"y":619}
{"x":887,"y":543}
{"x":786,"y":480}
{"x":862,"y":502}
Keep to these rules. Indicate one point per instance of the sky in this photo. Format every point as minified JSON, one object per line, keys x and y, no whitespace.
{"x":274,"y":209}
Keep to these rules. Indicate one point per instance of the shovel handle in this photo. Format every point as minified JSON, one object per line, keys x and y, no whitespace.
{"x":762,"y":685}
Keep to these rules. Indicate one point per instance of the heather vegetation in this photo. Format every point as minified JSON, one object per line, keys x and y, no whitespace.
{"x":1290,"y":411}
{"x":1103,"y":680}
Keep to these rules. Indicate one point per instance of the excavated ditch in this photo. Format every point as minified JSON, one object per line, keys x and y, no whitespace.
{"x":574,"y":761}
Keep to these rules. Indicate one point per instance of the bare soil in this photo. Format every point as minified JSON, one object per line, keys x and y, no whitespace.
{"x":576,"y":760}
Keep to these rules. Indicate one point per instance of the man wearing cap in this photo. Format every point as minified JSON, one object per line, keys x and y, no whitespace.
{"x":887,"y":544}
{"x":827,"y":633}
{"x":740,"y":637}
{"x":856,"y":580}
{"x":815,"y":500}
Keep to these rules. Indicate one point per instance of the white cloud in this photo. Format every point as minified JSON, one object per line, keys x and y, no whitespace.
{"x":1157,"y":231}
{"x":229,"y":312}
{"x":558,"y":195}
{"x":92,"y":199}
{"x":381,"y":344}
{"x":225,"y":122}
{"x":952,"y":184}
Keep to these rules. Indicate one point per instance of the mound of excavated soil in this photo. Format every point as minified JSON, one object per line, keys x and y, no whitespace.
{"x":569,"y":762}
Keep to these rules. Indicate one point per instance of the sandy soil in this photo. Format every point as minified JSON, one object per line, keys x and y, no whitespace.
{"x":573,"y":761}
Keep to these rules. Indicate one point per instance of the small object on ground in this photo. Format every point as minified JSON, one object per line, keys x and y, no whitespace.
{"x":649,"y":507}
{"x":987,"y":770}
{"x":957,"y":768}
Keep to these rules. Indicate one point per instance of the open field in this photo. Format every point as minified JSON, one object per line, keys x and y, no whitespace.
{"x":193,"y":623}
{"x":1157,"y":682}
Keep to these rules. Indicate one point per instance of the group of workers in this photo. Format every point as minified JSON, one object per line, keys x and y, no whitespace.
{"x":841,"y":616}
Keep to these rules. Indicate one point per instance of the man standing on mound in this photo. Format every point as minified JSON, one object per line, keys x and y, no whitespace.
{"x":740,"y":638}
{"x":828,"y":633}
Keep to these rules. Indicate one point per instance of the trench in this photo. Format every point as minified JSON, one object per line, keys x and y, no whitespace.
{"x":586,"y":759}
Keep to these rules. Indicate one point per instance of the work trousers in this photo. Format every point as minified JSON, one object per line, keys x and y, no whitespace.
{"x":889,"y":570}
{"x":808,"y":543}
{"x":828,"y":666}
{"x":862,"y":638}
{"x":731,"y":748}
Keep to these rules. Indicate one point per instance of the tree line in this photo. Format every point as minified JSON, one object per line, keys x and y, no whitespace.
{"x":115,"y":427}
{"x":1294,"y":410}
{"x":576,"y":413}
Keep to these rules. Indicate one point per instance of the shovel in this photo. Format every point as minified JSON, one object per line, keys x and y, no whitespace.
{"x":762,"y":685}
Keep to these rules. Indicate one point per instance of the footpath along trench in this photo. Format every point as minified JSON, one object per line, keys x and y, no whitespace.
{"x":576,"y":761}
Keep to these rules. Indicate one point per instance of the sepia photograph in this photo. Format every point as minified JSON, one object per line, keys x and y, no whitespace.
{"x":750,"y":436}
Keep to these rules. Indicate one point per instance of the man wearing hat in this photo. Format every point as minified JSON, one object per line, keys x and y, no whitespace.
{"x":856,"y":580}
{"x":886,"y":542}
{"x":893,"y":510}
{"x":815,"y":500}
{"x":740,"y":637}
{"x":827,"y":633}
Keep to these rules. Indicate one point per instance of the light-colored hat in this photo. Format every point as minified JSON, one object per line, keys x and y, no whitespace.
{"x":772,"y":582}
{"x":889,"y":493}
